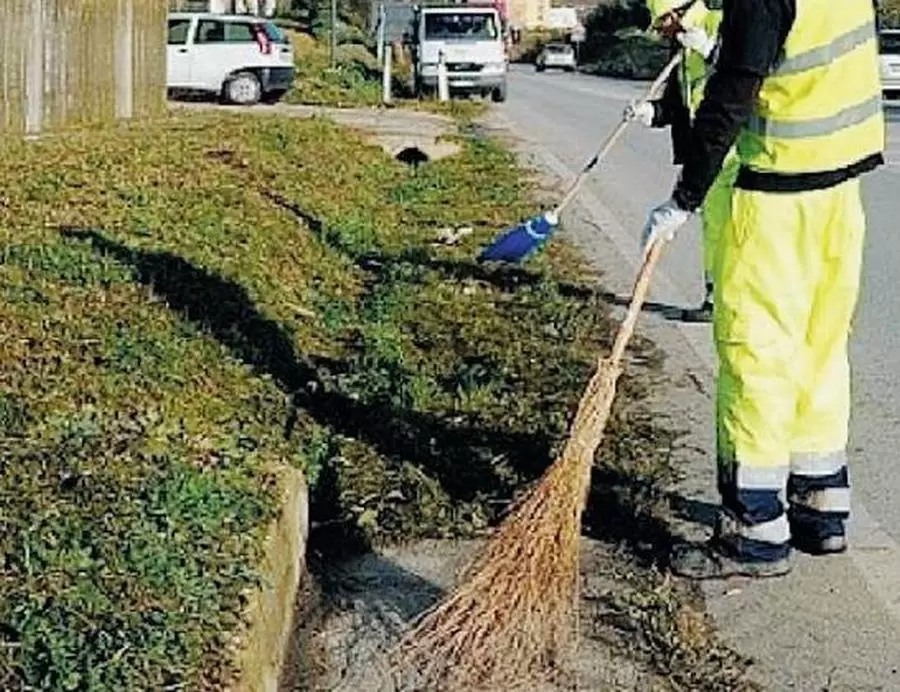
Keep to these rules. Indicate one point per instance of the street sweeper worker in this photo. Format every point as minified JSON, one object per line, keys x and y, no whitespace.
{"x":695,"y":27}
{"x":797,"y":88}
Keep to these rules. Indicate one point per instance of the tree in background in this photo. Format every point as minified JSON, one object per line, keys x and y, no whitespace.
{"x":616,"y":44}
{"x":315,"y":15}
{"x":606,"y":23}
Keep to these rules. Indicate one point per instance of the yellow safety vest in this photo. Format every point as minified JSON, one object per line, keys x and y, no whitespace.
{"x":820,"y":108}
{"x":695,"y":71}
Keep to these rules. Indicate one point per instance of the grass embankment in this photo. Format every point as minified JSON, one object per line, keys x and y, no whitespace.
{"x":160,"y":308}
{"x":187,"y":305}
{"x":356,"y":80}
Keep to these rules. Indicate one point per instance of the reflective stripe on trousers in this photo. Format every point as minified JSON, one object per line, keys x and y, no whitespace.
{"x":819,"y":493}
{"x":756,"y":524}
{"x":786,"y":280}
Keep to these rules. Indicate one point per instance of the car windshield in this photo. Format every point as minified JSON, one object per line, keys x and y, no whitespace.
{"x":464,"y":26}
{"x":889,"y":44}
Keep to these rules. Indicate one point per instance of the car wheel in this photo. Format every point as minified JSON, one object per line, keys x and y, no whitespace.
{"x":243,"y":89}
{"x":498,"y":95}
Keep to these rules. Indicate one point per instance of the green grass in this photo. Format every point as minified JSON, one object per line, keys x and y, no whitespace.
{"x":188,"y":305}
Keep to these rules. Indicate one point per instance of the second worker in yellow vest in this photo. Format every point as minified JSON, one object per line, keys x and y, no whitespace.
{"x":797,"y":88}
{"x":696,"y":28}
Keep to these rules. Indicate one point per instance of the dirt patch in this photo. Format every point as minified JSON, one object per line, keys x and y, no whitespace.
{"x":638,"y":631}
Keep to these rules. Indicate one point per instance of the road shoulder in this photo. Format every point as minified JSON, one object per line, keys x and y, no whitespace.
{"x":827,"y":626}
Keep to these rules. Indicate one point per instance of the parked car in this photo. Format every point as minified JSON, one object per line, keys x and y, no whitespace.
{"x":556,"y":56}
{"x":242,"y":59}
{"x":889,"y":49}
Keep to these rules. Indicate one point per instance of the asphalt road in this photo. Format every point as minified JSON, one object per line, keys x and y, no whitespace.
{"x":833,"y":624}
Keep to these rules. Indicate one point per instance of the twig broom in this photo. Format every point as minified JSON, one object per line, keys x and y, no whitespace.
{"x":512,"y":620}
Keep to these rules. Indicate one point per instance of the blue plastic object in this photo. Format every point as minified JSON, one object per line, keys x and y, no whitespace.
{"x":520,"y":242}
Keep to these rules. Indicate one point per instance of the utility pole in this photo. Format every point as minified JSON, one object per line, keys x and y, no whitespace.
{"x":333,"y":34}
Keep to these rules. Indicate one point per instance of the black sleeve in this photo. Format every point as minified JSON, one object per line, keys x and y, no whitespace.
{"x":667,"y":108}
{"x":752,"y":36}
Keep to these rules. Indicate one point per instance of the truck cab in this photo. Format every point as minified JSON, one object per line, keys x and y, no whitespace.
{"x":470,"y":40}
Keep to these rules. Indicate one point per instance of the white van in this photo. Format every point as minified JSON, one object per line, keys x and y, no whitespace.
{"x":240,"y":58}
{"x":471,"y":40}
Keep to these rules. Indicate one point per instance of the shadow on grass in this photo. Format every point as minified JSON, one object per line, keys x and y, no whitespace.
{"x":620,"y":507}
{"x":504,"y":277}
{"x":457,"y":456}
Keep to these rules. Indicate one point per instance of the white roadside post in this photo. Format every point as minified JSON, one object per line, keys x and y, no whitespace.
{"x":443,"y":82}
{"x":386,"y":95}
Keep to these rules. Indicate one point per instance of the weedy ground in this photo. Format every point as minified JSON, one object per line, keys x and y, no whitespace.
{"x":188,"y":304}
{"x":356,"y":80}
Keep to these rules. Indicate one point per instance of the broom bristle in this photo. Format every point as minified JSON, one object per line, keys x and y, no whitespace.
{"x":511,"y":621}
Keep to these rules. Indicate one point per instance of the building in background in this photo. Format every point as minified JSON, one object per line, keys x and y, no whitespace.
{"x":528,"y":14}
{"x":562,"y":18}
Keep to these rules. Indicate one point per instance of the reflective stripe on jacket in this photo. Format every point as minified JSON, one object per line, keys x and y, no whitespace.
{"x":820,"y":108}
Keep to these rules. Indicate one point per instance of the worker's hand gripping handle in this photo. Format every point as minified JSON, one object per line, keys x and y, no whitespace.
{"x":615,"y":134}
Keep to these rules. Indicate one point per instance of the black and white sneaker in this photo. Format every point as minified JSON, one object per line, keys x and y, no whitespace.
{"x":702,"y":314}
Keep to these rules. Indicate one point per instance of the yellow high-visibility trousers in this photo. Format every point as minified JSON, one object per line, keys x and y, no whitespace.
{"x":716,"y":211}
{"x":787,"y":272}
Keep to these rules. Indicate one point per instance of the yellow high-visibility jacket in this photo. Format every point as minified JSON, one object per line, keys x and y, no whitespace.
{"x":820,"y":109}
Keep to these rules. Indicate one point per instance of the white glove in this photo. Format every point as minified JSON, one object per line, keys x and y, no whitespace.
{"x":663,"y":223}
{"x":642,"y":112}
{"x":698,"y":40}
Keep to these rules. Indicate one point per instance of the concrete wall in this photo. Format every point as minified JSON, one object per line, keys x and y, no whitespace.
{"x":65,"y":64}
{"x":261,"y":650}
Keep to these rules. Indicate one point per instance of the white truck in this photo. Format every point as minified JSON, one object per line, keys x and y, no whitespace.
{"x":470,"y":40}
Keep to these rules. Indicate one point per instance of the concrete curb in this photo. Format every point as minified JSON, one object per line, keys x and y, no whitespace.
{"x":262,"y":649}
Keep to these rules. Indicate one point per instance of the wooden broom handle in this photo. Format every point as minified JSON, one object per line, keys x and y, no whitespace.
{"x":638,"y":295}
{"x":616,"y":133}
